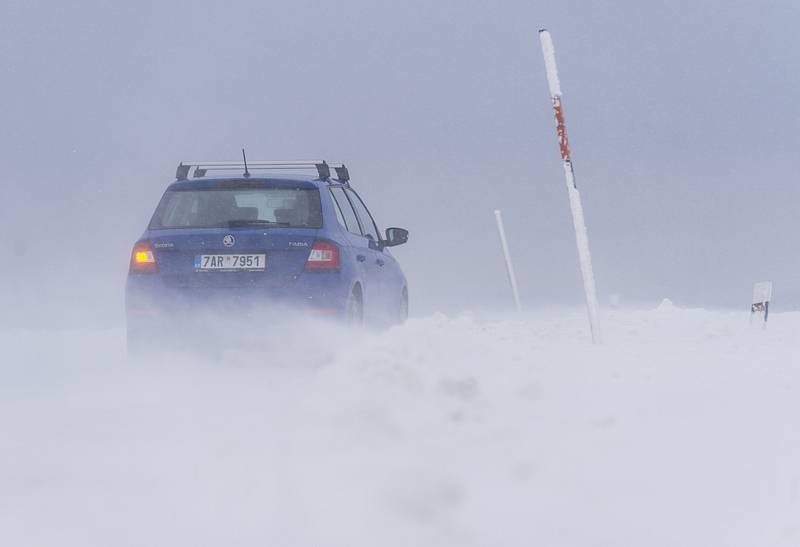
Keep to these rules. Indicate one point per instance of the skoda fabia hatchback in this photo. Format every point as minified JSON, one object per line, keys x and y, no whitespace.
{"x":237,"y":244}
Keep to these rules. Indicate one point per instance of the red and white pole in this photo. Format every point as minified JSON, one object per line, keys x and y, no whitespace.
{"x":581,"y":237}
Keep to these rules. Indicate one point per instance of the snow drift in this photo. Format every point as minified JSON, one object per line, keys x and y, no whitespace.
{"x":680,"y":430}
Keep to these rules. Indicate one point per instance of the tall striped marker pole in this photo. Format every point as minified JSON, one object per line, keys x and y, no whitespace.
{"x":581,"y":237}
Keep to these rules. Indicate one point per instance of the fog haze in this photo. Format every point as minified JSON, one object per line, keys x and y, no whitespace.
{"x":477,"y":429}
{"x":683,"y":120}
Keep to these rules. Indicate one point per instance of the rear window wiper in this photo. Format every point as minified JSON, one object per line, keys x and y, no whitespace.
{"x":238,"y":223}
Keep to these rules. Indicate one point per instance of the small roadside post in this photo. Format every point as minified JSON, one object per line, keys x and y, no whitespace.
{"x":762,"y":295}
{"x":512,"y":278}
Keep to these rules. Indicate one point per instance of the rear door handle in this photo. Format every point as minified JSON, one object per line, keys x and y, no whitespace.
{"x":361,"y":258}
{"x":380,"y":262}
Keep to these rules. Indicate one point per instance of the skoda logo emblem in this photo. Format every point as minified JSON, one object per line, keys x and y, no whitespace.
{"x":229,"y":240}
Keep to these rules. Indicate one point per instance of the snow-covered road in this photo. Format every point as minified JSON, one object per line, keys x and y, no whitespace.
{"x":683,"y":429}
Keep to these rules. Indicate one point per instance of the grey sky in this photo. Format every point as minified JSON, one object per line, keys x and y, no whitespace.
{"x":683,"y":118}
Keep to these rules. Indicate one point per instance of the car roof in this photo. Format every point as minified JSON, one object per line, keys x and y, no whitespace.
{"x":280,"y":181}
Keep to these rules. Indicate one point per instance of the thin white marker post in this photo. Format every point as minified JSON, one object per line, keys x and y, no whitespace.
{"x":581,"y":237}
{"x":512,"y":279}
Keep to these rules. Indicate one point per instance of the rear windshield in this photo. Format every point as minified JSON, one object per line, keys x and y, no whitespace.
{"x":234,"y":207}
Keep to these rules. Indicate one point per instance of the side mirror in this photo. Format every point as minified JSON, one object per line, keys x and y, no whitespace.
{"x":395,"y":236}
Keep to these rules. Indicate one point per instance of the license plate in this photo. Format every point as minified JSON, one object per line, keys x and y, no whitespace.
{"x":230,"y":263}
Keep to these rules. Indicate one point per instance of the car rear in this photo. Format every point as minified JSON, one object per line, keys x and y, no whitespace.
{"x":229,"y":248}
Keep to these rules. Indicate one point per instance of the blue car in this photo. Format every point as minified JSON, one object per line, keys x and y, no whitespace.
{"x":234,"y":244}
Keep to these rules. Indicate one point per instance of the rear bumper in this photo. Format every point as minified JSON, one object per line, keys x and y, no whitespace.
{"x":149,"y":301}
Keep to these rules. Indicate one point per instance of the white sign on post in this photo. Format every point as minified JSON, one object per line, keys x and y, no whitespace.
{"x":762,"y":294}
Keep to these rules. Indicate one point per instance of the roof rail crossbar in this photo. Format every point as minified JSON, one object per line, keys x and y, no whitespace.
{"x":342,"y":173}
{"x":183,"y":171}
{"x":323,"y":170}
{"x":322,"y":167}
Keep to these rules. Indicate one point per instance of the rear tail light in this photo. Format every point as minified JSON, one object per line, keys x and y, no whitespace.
{"x":142,"y":258}
{"x":324,"y":255}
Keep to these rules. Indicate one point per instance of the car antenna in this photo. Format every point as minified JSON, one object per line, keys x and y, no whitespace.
{"x":246,"y":172}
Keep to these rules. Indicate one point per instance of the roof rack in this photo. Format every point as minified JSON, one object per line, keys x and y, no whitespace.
{"x":202,"y":167}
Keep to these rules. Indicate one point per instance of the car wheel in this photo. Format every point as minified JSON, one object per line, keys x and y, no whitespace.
{"x":354,"y":313}
{"x":403,"y":314}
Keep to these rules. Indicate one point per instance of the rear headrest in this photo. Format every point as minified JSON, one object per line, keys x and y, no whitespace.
{"x":245,"y":213}
{"x":289,"y":216}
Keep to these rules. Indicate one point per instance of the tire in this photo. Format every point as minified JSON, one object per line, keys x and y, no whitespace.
{"x":402,"y":316}
{"x":354,"y":313}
